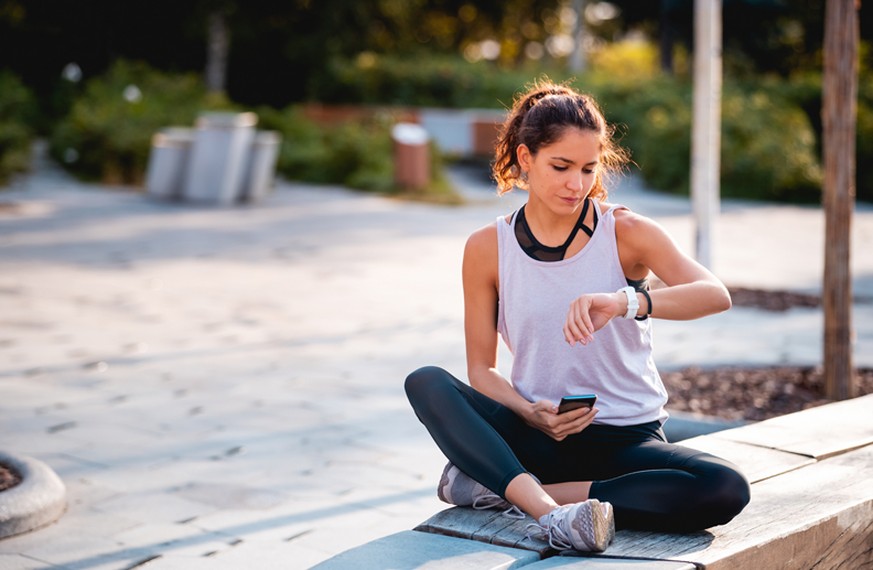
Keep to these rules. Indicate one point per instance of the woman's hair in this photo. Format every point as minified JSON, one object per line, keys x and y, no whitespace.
{"x":539,"y":118}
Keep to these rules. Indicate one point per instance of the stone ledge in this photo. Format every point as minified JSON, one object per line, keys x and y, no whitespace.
{"x":39,"y":499}
{"x":411,"y":549}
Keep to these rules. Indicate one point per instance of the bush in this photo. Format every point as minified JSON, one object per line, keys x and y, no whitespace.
{"x":805,"y":91}
{"x":424,"y":81}
{"x":357,"y":154}
{"x":17,"y":110}
{"x":864,"y":140}
{"x":107,"y":134}
{"x":768,"y":145}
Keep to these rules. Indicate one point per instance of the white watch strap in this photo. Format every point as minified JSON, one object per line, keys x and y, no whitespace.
{"x":633,"y":303}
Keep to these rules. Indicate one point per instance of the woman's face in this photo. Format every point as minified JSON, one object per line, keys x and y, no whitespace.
{"x":561,"y":174}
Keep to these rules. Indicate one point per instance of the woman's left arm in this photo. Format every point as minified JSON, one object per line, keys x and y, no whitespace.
{"x":691,"y":291}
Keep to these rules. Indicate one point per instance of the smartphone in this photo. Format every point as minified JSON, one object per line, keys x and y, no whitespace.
{"x":575,"y":402}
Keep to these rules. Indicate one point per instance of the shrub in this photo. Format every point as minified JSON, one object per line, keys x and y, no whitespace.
{"x":425,"y":81}
{"x":864,"y":155}
{"x":17,"y":109}
{"x":107,"y":134}
{"x":768,"y":145}
{"x":768,"y":149}
{"x":357,"y":154}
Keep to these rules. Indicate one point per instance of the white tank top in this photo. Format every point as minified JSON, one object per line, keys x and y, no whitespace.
{"x":534,"y":299}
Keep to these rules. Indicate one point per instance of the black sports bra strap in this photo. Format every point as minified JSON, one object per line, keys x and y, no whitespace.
{"x":533,"y":248}
{"x":580,"y":224}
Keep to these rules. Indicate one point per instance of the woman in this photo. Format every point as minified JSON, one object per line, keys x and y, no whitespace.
{"x":574,"y":309}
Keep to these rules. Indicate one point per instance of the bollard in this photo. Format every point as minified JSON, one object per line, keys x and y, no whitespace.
{"x":168,"y":162}
{"x":219,"y":156}
{"x":411,"y":156}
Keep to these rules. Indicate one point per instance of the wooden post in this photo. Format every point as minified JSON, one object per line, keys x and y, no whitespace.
{"x":577,"y":62}
{"x":217,"y":47}
{"x":839,"y":112}
{"x":706,"y":125}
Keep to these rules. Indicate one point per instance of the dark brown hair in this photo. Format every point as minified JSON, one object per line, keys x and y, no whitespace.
{"x":538,"y":118}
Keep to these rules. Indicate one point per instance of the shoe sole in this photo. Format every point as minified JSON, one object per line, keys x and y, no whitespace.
{"x":603,"y":525}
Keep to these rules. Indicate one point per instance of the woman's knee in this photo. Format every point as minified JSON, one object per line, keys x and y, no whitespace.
{"x":728,"y":492}
{"x":421,"y":384}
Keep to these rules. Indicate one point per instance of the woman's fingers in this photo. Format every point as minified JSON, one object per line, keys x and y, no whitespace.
{"x":573,"y":422}
{"x":578,"y":327}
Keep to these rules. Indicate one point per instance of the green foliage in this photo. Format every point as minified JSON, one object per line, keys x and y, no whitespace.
{"x":627,"y":60}
{"x":17,"y":109}
{"x":424,"y":80}
{"x":864,"y":139}
{"x":107,"y":134}
{"x":768,"y":145}
{"x":357,"y":154}
{"x":768,"y":149}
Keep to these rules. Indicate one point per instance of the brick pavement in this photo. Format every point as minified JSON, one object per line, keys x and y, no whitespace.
{"x":222,"y":387}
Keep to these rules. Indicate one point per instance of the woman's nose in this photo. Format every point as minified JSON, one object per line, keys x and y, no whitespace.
{"x":575,"y":182}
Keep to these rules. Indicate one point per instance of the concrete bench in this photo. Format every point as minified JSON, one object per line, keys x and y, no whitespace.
{"x":812,"y":506}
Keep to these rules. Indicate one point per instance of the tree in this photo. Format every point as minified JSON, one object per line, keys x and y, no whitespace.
{"x":839,"y":113}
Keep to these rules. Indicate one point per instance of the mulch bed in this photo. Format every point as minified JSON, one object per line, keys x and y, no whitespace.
{"x":8,"y":478}
{"x":753,"y":394}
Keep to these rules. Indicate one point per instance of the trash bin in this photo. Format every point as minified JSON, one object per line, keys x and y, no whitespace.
{"x":219,"y":157}
{"x":168,"y":162}
{"x":261,"y":168}
{"x":486,"y":126}
{"x":411,"y":156}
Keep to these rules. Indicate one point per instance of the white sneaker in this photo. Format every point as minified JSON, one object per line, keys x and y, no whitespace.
{"x":459,"y":489}
{"x":588,"y":526}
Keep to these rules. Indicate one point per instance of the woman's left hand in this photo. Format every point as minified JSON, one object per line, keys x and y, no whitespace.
{"x":590,"y":313}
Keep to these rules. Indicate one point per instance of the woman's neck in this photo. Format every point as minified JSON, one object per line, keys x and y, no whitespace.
{"x":550,"y":228}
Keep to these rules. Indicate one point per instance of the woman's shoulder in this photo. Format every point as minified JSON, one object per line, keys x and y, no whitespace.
{"x":623,"y":215}
{"x":483,"y":239}
{"x":633,"y":227}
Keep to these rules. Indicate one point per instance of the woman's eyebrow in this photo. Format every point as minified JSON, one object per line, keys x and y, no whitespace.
{"x":568,"y":161}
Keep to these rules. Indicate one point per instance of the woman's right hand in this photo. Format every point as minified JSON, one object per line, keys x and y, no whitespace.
{"x":544,"y":416}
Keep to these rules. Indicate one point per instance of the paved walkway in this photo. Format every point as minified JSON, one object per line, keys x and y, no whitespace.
{"x":221,"y":387}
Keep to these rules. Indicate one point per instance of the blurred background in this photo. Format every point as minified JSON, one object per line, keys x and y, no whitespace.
{"x":97,"y":78}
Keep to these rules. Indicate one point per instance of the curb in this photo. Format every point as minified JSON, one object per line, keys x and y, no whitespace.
{"x":39,"y":499}
{"x":685,"y":425}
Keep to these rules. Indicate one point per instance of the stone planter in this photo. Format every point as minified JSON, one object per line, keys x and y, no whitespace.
{"x":39,"y":499}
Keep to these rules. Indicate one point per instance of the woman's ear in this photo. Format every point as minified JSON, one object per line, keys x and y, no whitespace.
{"x":524,"y":157}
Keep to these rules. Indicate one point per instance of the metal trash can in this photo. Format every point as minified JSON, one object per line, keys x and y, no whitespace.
{"x":219,"y":157}
{"x":411,"y":156}
{"x":168,"y":162}
{"x":261,"y":168}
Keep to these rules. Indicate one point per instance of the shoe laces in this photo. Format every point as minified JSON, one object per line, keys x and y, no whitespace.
{"x":490,"y":501}
{"x":558,"y":537}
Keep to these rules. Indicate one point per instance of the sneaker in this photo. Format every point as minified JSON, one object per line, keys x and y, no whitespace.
{"x":588,"y":526}
{"x":459,"y":489}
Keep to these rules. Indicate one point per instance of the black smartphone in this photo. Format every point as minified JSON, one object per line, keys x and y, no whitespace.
{"x":575,"y":402}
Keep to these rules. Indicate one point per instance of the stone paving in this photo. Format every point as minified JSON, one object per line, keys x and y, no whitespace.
{"x":222,"y":387}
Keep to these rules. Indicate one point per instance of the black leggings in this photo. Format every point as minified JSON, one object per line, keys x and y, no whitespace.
{"x":652,"y":484}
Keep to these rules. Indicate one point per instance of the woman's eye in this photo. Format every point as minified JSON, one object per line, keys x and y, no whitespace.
{"x":560,"y":168}
{"x":588,"y":170}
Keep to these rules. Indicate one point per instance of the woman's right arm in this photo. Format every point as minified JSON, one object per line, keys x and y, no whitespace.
{"x":480,"y":277}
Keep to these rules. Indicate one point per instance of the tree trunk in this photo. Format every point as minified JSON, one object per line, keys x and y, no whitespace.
{"x":839,"y":110}
{"x":578,"y":60}
{"x":217,"y":47}
{"x":665,"y":40}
